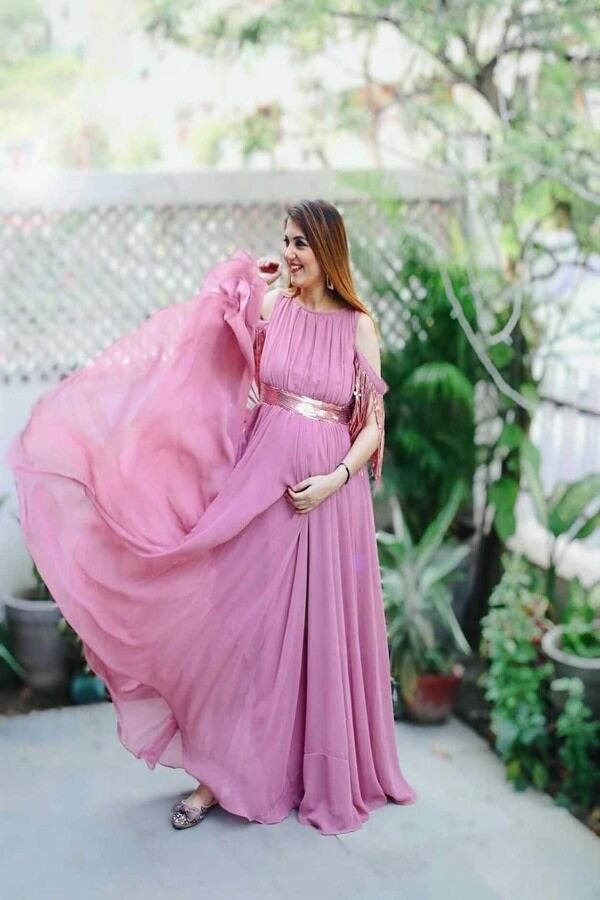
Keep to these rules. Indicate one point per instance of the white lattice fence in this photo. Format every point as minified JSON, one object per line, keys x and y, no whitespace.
{"x":566,"y":425}
{"x":83,"y":260}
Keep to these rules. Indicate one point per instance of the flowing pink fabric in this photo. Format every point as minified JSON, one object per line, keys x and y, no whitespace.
{"x":239,"y":640}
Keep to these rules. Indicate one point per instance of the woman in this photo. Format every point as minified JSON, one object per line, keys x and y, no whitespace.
{"x":218,"y":558}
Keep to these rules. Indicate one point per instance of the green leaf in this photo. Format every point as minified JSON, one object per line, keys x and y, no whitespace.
{"x":407,"y":674}
{"x":588,"y":527}
{"x":505,"y":523}
{"x":557,"y":493}
{"x":540,"y":775}
{"x":399,"y":522}
{"x":530,"y":452}
{"x":436,"y":530}
{"x":530,"y":468}
{"x":594,"y":596}
{"x":10,"y":660}
{"x":436,"y":572}
{"x":436,"y":382}
{"x":573,"y":503}
{"x":530,"y":391}
{"x":448,"y":617}
{"x":422,"y":626}
{"x":506,"y":734}
{"x":511,"y":436}
{"x":503,"y":494}
{"x":501,"y":355}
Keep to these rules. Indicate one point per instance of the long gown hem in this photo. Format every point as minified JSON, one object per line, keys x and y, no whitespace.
{"x":241,"y":810}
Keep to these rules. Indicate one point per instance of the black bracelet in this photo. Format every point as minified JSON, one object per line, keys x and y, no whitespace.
{"x":347,"y":470}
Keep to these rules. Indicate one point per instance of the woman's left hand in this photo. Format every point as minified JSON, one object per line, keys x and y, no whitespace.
{"x":316,"y":489}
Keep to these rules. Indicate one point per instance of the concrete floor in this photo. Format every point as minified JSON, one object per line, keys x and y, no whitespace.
{"x":80,"y":817}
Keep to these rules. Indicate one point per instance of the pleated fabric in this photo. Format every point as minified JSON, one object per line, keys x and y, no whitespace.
{"x":239,"y":640}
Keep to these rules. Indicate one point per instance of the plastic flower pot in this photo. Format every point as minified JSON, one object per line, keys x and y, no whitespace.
{"x":87,"y":688}
{"x":36,"y":641}
{"x":568,"y":665}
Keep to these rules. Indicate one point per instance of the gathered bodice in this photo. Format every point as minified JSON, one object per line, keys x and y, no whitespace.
{"x":309,"y":352}
{"x":315,"y":354}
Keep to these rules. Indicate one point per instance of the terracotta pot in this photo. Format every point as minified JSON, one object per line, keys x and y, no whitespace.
{"x":432,"y":697}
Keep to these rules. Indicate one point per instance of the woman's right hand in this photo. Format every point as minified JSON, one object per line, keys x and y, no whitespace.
{"x":269,"y":268}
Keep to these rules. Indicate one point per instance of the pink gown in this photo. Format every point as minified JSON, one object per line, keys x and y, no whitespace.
{"x":239,"y":640}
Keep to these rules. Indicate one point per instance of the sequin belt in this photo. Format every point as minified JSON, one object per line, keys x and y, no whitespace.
{"x":307,"y":406}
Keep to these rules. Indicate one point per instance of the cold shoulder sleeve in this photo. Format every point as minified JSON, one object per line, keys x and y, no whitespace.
{"x":369,"y":390}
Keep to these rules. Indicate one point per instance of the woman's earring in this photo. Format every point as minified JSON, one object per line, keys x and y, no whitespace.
{"x":329,"y":283}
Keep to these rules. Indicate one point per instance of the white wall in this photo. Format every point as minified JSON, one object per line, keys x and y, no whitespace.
{"x":15,"y":562}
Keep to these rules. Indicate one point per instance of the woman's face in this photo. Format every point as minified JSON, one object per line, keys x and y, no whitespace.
{"x":302,"y":263}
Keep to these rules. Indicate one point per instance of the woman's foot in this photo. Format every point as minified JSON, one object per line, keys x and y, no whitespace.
{"x":202,"y":796}
{"x":192,"y":810}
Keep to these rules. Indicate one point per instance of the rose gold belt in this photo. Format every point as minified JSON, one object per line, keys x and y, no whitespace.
{"x":307,"y":406}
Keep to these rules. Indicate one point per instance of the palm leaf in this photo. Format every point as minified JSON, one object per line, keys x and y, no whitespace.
{"x":440,"y":383}
{"x":414,"y":443}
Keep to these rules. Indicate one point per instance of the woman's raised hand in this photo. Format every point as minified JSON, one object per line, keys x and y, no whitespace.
{"x":269,"y":268}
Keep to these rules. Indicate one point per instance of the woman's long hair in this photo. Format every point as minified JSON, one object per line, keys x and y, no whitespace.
{"x":325,"y":232}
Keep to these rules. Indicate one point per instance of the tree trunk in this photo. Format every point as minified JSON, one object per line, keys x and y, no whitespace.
{"x":487,"y":572}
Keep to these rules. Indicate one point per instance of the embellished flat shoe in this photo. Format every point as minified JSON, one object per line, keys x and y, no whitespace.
{"x":184,"y":816}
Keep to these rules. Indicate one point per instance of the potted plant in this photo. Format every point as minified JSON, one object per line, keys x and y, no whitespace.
{"x":32,"y":619}
{"x":516,"y":676}
{"x":570,"y":512}
{"x":574,"y":645}
{"x":426,"y":641}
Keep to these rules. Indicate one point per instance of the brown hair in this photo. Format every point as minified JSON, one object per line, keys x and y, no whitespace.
{"x":324,"y":228}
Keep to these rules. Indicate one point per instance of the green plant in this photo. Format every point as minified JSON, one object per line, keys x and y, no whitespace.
{"x":561,"y":753}
{"x":579,"y":748}
{"x":565,"y":512}
{"x":516,"y":679}
{"x":431,"y":371}
{"x":7,"y":656}
{"x":41,"y":590}
{"x":77,"y":660}
{"x":581,"y":634}
{"x":570,"y":511}
{"x":423,"y":630}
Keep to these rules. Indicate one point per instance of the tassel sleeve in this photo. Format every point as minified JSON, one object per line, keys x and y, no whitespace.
{"x":259,"y":340}
{"x":369,"y":389}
